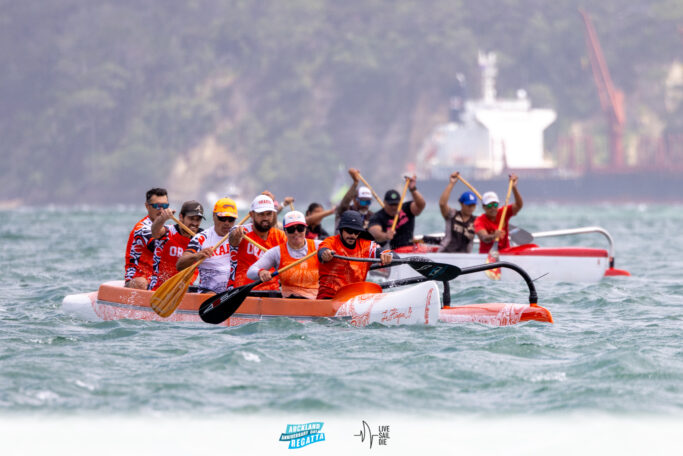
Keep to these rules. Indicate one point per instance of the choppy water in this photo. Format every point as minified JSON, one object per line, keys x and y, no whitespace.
{"x":615,"y":346}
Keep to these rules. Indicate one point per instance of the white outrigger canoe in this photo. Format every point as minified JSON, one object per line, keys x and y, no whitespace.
{"x":360,"y":304}
{"x":554,"y":264}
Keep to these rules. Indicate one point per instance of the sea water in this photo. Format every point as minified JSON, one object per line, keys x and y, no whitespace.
{"x":614,"y":350}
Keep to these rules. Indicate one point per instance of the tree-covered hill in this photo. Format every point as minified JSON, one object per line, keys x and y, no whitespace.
{"x":104,"y":99}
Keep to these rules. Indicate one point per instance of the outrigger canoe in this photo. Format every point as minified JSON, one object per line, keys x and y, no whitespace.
{"x":553,"y":264}
{"x":417,"y":304}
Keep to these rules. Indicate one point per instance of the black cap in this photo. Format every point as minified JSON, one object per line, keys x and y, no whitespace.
{"x":191,"y":208}
{"x":392,"y":197}
{"x":351,"y":220}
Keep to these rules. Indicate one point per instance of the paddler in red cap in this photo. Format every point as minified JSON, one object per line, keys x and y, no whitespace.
{"x":335,"y":273}
{"x":486,"y":225}
{"x":262,"y":230}
{"x":172,"y":240}
{"x":300,"y":281}
{"x":215,"y":271}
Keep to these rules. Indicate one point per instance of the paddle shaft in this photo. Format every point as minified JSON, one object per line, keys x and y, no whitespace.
{"x":182,"y":225}
{"x":381,"y":203}
{"x":400,"y":204}
{"x":474,"y":190}
{"x":505,"y":209}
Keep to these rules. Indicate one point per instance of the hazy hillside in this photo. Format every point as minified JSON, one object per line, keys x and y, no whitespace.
{"x":103,"y":99}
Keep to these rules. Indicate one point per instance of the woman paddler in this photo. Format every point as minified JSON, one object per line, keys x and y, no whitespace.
{"x":300,"y":281}
{"x":335,"y":273}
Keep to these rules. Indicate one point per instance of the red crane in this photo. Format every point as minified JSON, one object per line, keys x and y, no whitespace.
{"x":611,"y":98}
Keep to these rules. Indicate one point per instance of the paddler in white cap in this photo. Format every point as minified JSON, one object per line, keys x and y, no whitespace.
{"x":486,"y":225}
{"x":262,"y":231}
{"x":300,"y":281}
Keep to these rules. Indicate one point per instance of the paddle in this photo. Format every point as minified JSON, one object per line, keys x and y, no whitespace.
{"x":379,"y":200}
{"x":433,"y":271}
{"x":400,"y":204}
{"x":167,"y":297}
{"x":494,"y":255}
{"x":220,"y":307}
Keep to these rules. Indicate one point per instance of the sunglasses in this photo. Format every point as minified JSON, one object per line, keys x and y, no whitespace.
{"x":226,"y":219}
{"x":490,"y":205}
{"x":295,"y":228}
{"x":159,"y":205}
{"x":352,"y":232}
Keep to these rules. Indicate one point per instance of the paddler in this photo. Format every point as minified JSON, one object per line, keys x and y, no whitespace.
{"x":215,"y":271}
{"x":172,"y":240}
{"x":486,"y":225}
{"x":335,"y":273}
{"x":459,"y":231}
{"x":300,"y":281}
{"x":357,"y":198}
{"x":314,"y":217}
{"x":381,"y":223}
{"x":141,"y":243}
{"x":263,"y":231}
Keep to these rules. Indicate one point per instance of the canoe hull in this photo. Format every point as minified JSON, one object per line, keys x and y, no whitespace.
{"x":416,"y":305}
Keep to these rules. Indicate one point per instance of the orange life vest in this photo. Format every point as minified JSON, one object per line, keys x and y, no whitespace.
{"x":338,"y":273}
{"x":247,"y":254}
{"x":302,"y":279}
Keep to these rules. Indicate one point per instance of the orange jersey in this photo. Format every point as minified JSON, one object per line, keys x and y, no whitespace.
{"x":302,"y":279}
{"x":247,"y":254}
{"x":338,"y":273}
{"x":139,"y":251}
{"x":166,"y":255}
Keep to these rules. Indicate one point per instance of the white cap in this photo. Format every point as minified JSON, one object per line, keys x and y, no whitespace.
{"x":262,"y":203}
{"x":294,"y":218}
{"x":364,"y":192}
{"x":489,"y":197}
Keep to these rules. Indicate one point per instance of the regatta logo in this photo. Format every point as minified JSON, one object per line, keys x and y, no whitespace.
{"x":365,"y":433}
{"x":301,"y":435}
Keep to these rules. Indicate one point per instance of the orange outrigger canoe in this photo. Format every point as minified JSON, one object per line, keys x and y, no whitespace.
{"x":416,"y":304}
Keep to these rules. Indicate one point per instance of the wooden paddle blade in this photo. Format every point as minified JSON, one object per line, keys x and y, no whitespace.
{"x":493,"y":257}
{"x":168,"y":296}
{"x":220,"y":307}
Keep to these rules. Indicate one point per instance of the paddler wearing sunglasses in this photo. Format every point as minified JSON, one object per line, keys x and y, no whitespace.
{"x":486,"y":225}
{"x":215,"y":271}
{"x":263,"y":231}
{"x":141,"y":243}
{"x":300,"y":281}
{"x":335,"y":273}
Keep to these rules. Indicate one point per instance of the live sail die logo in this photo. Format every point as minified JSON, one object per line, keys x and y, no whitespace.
{"x":366,"y":433}
{"x":301,"y":435}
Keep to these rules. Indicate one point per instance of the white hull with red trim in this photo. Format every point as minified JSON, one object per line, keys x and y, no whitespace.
{"x":556,"y":264}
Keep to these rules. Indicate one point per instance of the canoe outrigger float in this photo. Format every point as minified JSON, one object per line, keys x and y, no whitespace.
{"x":554,"y":264}
{"x":417,"y":301}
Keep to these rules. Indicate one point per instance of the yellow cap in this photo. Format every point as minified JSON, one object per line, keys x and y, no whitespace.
{"x":225,"y":207}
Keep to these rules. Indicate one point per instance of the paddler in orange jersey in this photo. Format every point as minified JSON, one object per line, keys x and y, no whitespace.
{"x":335,"y":273}
{"x":300,"y":281}
{"x":141,"y":244}
{"x":263,"y":231}
{"x":486,"y":225}
{"x":216,"y":270}
{"x":172,"y":240}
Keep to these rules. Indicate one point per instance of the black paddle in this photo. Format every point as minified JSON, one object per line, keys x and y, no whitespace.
{"x":220,"y":307}
{"x":433,"y":271}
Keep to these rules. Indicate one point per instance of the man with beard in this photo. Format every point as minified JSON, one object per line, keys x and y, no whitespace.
{"x":173,"y":240}
{"x":141,"y":243}
{"x":216,"y":270}
{"x":262,"y":230}
{"x":335,"y":273}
